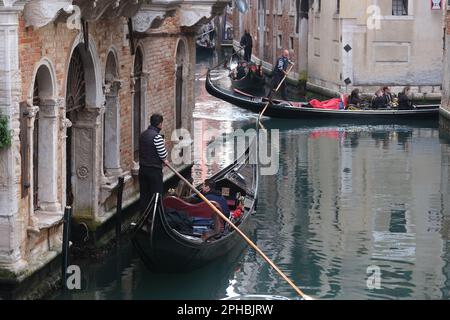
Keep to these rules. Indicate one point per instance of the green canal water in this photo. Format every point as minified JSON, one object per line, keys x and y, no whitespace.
{"x":349,"y":201}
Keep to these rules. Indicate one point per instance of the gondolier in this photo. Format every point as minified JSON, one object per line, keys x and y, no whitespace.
{"x":279,"y":71}
{"x":247,"y":43}
{"x":152,"y":156}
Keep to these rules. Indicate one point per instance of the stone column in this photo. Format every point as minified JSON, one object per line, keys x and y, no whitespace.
{"x":48,"y":147}
{"x":30,"y":114}
{"x":145,"y":121}
{"x":64,"y":124}
{"x":86,"y":161}
{"x":11,"y":224}
{"x":112,"y":130}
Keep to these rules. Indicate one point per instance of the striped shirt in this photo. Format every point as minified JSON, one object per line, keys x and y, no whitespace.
{"x":160,"y":147}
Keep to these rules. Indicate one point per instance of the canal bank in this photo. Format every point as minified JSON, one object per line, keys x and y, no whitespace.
{"x":87,"y":246}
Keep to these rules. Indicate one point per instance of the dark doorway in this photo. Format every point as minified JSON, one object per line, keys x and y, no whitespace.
{"x":137,"y":103}
{"x":75,"y":100}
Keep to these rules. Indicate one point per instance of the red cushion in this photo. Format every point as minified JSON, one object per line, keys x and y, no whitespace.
{"x":199,"y":210}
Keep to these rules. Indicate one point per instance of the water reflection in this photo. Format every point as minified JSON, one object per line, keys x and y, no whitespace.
{"x":373,"y":196}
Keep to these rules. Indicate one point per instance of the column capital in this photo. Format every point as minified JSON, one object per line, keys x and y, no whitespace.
{"x":112,"y":87}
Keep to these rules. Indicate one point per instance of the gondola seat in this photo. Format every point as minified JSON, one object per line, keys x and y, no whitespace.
{"x":194,"y":210}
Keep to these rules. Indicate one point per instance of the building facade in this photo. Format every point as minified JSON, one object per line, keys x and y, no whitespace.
{"x":78,"y":82}
{"x":274,"y":26}
{"x":445,"y":104}
{"x":342,"y":44}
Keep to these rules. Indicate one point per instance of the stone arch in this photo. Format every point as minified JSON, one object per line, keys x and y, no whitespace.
{"x":181,"y":79}
{"x":139,"y":80}
{"x":48,"y":88}
{"x":83,"y":105}
{"x":111,"y":119}
{"x":44,"y":139}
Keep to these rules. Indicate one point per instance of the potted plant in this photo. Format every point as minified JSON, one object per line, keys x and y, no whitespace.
{"x":5,"y":132}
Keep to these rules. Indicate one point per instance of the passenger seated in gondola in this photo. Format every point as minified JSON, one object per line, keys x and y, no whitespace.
{"x":210,"y":193}
{"x":241,"y":70}
{"x":404,"y":99}
{"x":355,"y":100}
{"x":389,"y":97}
{"x":378,"y":100}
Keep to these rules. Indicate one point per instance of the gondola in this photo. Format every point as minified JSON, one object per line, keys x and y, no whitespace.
{"x":253,"y":81}
{"x":164,"y":248}
{"x":291,"y":109}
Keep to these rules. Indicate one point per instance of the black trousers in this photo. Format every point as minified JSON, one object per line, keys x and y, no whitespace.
{"x":150,"y":182}
{"x":248,"y":54}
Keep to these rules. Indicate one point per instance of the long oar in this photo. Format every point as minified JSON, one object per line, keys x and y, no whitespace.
{"x":250,"y":242}
{"x":276,"y":90}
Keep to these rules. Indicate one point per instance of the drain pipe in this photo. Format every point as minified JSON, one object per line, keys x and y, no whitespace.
{"x":119,"y":209}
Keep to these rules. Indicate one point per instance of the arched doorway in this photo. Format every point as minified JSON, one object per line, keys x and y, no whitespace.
{"x":138,"y":100}
{"x":84,"y":106}
{"x":111,"y":119}
{"x":75,"y":101}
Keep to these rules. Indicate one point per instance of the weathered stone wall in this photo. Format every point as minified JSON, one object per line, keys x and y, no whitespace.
{"x":52,"y":46}
{"x":385,"y":49}
{"x":445,"y":104}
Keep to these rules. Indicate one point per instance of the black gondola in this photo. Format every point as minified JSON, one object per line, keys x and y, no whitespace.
{"x":163,"y":248}
{"x":290,"y":109}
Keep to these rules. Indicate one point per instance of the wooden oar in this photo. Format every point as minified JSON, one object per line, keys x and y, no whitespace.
{"x":276,"y":90}
{"x":250,"y":242}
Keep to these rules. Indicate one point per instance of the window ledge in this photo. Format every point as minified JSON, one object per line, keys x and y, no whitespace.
{"x":110,"y":183}
{"x":48,"y":219}
{"x":399,"y":18}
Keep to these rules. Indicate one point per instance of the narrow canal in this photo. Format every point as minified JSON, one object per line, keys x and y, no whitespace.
{"x":348,"y":201}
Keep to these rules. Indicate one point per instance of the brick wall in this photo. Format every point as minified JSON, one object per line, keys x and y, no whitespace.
{"x":54,"y":42}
